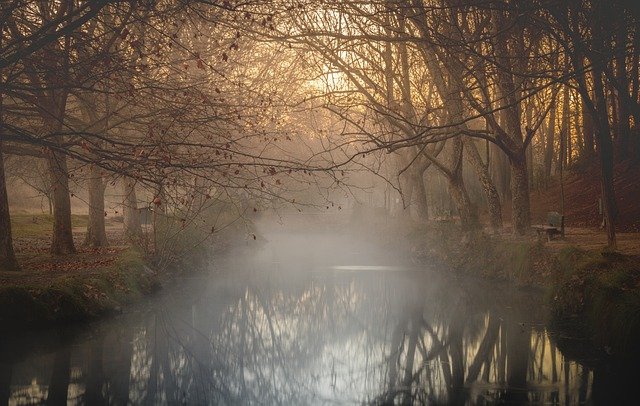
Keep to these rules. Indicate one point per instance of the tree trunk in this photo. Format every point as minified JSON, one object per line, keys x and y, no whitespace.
{"x":131,"y":215}
{"x":529,"y":151}
{"x":460,"y":197}
{"x":604,"y":144}
{"x":500,"y":172}
{"x":420,"y":195}
{"x":548,"y":145}
{"x":458,"y":191}
{"x":530,"y":167}
{"x":588,"y":133}
{"x":565,"y":132}
{"x":605,"y":153}
{"x":490,"y":192}
{"x":8,"y":260}
{"x":96,"y":233}
{"x":520,"y":209}
{"x":623,"y":129}
{"x":62,"y":242}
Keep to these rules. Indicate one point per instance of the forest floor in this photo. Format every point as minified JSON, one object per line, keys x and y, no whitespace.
{"x":581,"y":192}
{"x":69,"y":288}
{"x":581,"y":187}
{"x":594,"y":239}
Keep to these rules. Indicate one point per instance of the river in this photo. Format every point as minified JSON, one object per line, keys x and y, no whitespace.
{"x":306,"y":319}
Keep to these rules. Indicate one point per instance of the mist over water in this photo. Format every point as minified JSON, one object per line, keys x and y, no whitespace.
{"x":316,"y":314}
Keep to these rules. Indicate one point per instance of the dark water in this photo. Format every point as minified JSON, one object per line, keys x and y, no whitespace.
{"x":308,"y":319}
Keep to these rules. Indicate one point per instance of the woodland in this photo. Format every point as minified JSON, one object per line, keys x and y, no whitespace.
{"x":184,"y":106}
{"x":396,"y":139}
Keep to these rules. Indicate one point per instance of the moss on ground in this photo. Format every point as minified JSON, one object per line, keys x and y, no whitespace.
{"x":76,"y":296}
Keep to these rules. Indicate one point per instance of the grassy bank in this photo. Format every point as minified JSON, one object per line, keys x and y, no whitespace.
{"x":36,"y":298}
{"x":522,"y":261}
{"x":600,"y":293}
{"x":37,"y":225}
{"x":596,"y":292}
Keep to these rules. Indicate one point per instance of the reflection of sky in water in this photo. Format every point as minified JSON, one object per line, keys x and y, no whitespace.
{"x":338,"y":335}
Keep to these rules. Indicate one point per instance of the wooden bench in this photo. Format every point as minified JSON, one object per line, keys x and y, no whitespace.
{"x":554,"y":226}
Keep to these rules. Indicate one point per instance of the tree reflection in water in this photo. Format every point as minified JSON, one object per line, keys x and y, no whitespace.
{"x":286,"y":337}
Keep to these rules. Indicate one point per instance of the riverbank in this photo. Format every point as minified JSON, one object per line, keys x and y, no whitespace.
{"x":84,"y":286}
{"x":595,"y":292}
{"x":80,"y":287}
{"x":92,"y":283}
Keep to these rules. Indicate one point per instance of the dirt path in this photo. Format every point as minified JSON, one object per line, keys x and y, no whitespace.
{"x":595,"y":240}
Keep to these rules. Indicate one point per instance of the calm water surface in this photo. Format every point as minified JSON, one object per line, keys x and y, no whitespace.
{"x":303,"y":320}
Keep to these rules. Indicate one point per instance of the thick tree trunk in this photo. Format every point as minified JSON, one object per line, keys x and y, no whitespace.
{"x":62,"y":242}
{"x":463,"y":203}
{"x":466,"y":209}
{"x":520,"y":205}
{"x":132,"y":225}
{"x":8,"y":260}
{"x":96,"y":233}
{"x":605,"y":153}
{"x":600,"y":116}
{"x":489,"y":188}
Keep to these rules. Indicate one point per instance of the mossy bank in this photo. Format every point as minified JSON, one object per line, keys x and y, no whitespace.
{"x":595,"y":292}
{"x":40,"y":299}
